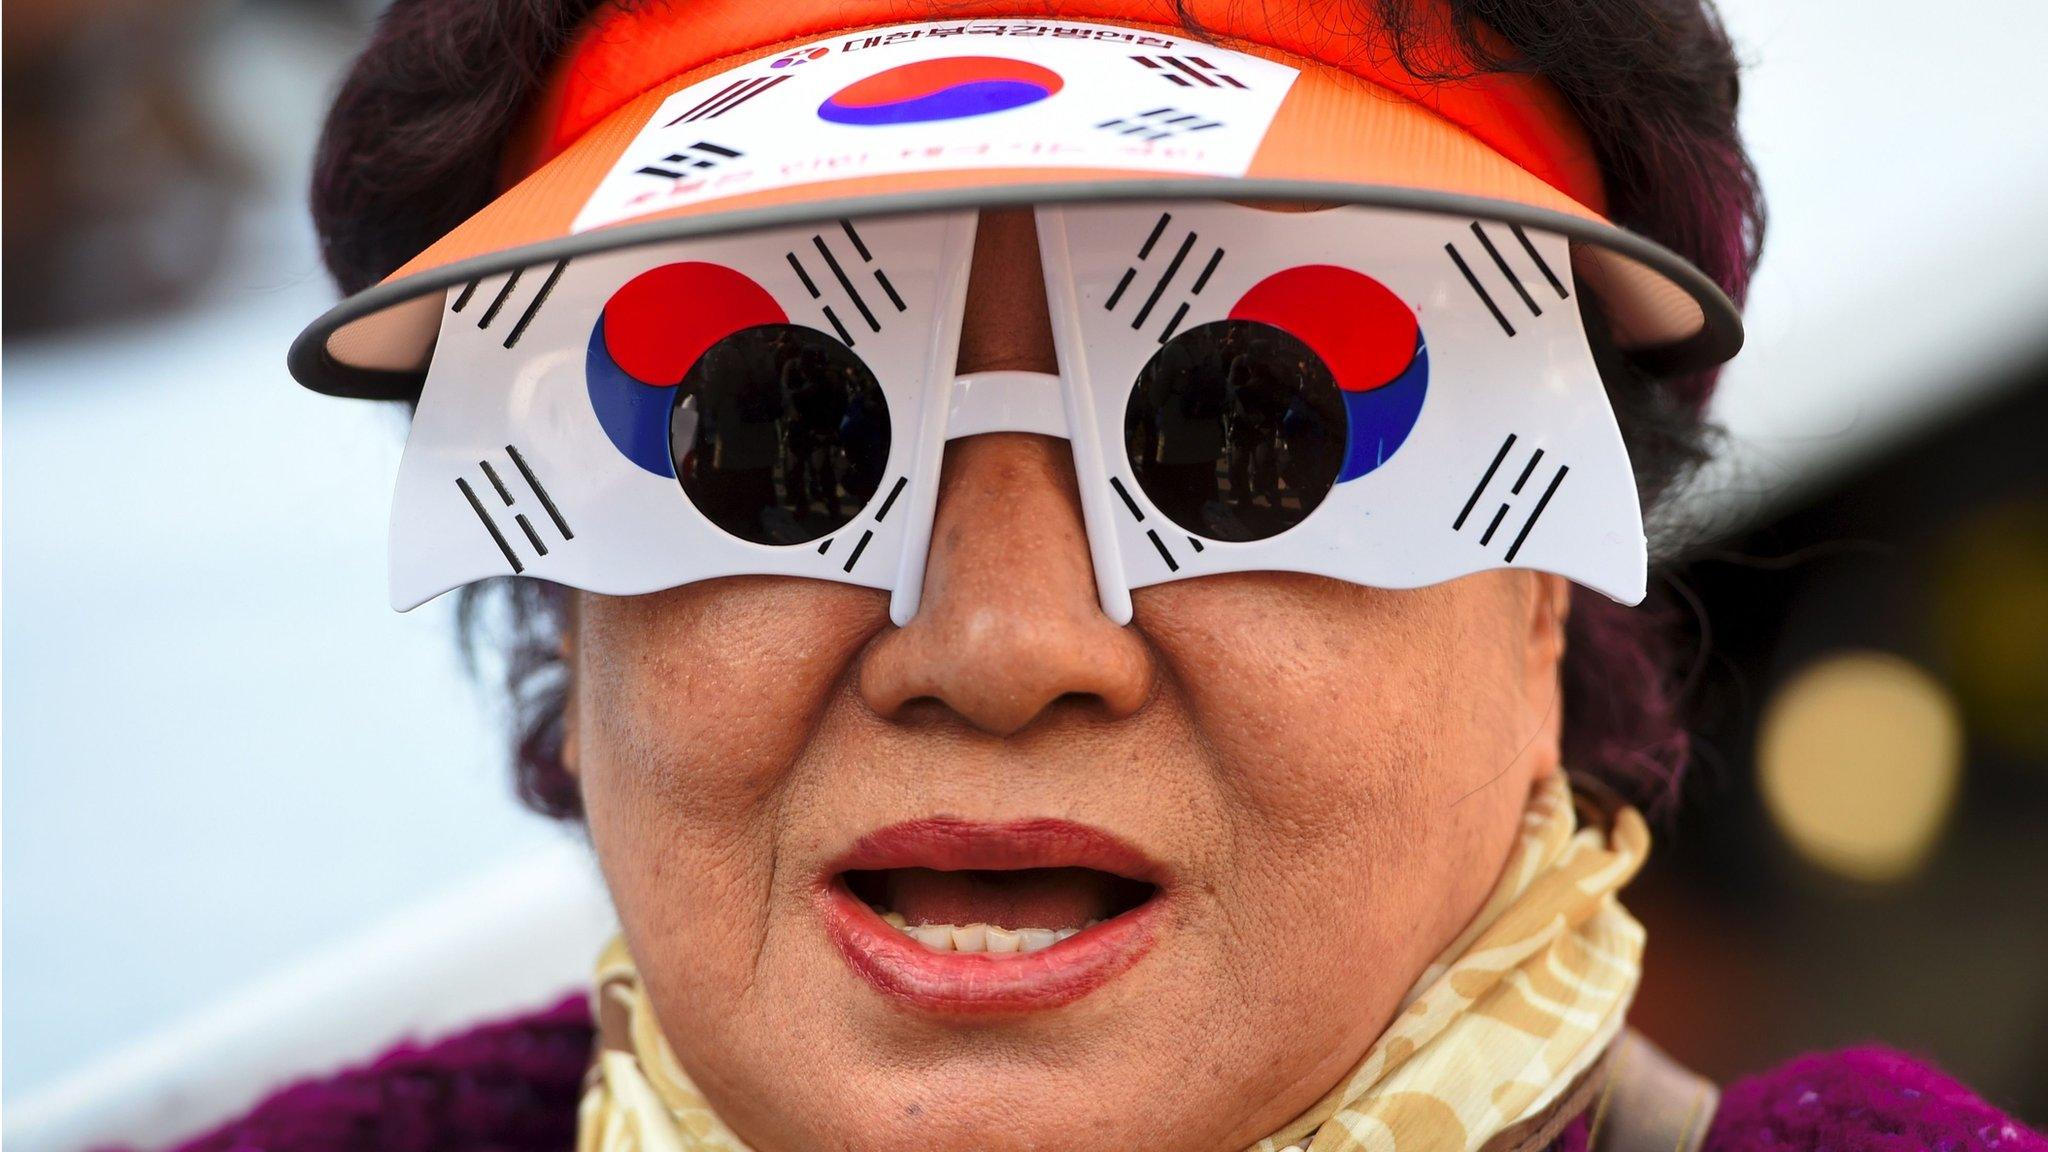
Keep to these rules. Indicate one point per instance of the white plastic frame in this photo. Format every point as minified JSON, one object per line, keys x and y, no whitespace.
{"x":507,"y":469}
{"x":1513,"y":396}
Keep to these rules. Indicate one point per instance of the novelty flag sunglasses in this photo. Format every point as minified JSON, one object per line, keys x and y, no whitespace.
{"x":1386,"y":397}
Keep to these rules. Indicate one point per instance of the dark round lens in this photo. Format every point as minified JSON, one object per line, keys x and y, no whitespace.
{"x":779,"y":434}
{"x":1235,"y":430}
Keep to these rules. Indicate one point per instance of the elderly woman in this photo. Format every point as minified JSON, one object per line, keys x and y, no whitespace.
{"x":1072,"y":560}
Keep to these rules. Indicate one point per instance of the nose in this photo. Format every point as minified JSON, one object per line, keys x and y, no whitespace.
{"x":1010,"y":625}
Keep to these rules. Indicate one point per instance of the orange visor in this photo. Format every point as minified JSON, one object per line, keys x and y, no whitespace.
{"x":668,"y":120}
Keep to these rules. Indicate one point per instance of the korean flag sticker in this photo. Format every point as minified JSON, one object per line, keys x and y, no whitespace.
{"x":949,"y":97}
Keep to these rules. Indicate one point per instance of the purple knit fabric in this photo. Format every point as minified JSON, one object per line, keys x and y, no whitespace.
{"x":512,"y":1087}
{"x":1861,"y":1100}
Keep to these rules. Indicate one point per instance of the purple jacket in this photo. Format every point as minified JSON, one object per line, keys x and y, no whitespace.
{"x":513,"y":1087}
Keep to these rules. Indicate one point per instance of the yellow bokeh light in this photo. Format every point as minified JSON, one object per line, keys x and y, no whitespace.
{"x":1859,"y":757}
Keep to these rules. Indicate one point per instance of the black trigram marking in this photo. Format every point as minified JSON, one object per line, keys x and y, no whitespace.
{"x":1152,"y":534}
{"x":1172,"y":565}
{"x":505,"y":291}
{"x":1189,"y":71}
{"x":838,"y":269}
{"x":532,"y":537}
{"x":547,"y":502}
{"x":692,"y":161}
{"x":511,"y":496}
{"x":890,"y":501}
{"x":491,"y":474}
{"x":1485,"y":298}
{"x":728,"y":98}
{"x":859,"y":547}
{"x":1200,"y":273}
{"x":1536,"y":258}
{"x":1137,"y":513}
{"x":490,"y":525}
{"x":1158,"y":124}
{"x":1516,"y":495}
{"x":533,"y":306}
{"x":1499,"y":269}
{"x":881,"y":514}
{"x":505,"y":294}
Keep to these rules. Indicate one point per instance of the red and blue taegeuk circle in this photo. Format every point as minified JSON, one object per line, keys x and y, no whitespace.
{"x":952,"y":88}
{"x":646,"y":339}
{"x":1369,"y":339}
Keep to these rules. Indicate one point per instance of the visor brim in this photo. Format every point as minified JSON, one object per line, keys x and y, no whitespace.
{"x":376,"y":343}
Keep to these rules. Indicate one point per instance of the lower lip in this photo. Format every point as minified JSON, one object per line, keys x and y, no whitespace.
{"x":954,"y":982}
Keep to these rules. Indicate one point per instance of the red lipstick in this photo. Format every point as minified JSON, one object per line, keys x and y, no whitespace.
{"x":906,"y":971}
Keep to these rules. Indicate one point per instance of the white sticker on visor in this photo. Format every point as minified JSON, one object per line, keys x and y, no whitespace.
{"x":1393,"y":399}
{"x":948,"y":96}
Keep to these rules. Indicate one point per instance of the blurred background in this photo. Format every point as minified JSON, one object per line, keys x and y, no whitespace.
{"x":254,"y":821}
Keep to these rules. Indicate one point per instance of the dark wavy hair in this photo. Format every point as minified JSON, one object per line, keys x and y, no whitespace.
{"x":412,"y":147}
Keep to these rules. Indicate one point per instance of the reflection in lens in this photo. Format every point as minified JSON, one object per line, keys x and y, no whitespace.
{"x":779,"y":434}
{"x":1235,"y":430}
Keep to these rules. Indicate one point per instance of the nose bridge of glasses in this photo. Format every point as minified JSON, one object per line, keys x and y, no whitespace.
{"x":1010,"y":401}
{"x":1006,"y":402}
{"x":997,"y":306}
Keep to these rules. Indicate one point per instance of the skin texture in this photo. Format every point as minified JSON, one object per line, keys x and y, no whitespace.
{"x":1334,"y":775}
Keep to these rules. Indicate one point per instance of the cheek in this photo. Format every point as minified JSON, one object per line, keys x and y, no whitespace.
{"x":690,"y":707}
{"x":1367,"y":741}
{"x":1316,"y":688}
{"x":710,"y":687}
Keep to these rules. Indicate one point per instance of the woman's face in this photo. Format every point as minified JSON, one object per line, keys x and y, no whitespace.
{"x":1283,"y":795}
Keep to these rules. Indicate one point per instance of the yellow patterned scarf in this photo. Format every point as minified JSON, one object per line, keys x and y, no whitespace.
{"x":1496,"y":1032}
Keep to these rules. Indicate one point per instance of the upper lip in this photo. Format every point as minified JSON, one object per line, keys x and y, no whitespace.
{"x":946,"y":844}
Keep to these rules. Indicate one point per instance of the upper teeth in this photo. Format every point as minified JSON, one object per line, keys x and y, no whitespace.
{"x":981,"y":937}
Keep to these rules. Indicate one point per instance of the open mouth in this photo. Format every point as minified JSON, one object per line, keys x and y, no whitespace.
{"x":995,"y":911}
{"x":955,"y":915}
